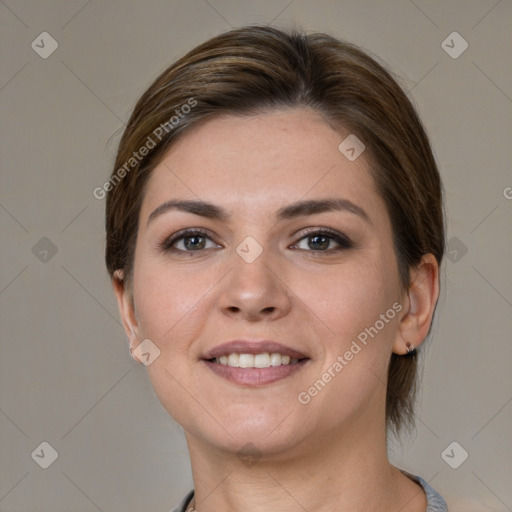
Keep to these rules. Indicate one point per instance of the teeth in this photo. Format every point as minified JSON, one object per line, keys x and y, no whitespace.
{"x":246,"y":361}
{"x":275,"y":359}
{"x":264,"y":360}
{"x":233,"y":360}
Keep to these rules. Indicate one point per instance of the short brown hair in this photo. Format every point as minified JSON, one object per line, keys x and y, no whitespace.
{"x":256,"y":69}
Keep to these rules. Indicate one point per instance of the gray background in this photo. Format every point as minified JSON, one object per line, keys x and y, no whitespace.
{"x":66,"y":376}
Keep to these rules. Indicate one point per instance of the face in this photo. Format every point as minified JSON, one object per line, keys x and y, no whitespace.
{"x":290,"y":263}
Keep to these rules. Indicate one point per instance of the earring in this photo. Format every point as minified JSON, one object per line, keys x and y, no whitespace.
{"x":411,"y":351}
{"x":133,"y":356}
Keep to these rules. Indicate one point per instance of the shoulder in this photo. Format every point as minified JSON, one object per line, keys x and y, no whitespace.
{"x":183,"y":504}
{"x":435,"y":502}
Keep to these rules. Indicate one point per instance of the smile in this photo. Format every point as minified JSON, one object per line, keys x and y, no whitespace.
{"x":255,"y":370}
{"x":254,"y":363}
{"x":264,"y":360}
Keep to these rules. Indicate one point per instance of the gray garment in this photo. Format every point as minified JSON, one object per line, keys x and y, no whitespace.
{"x":435,"y":502}
{"x":182,"y":506}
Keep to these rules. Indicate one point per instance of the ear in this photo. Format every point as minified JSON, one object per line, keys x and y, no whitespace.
{"x":420,"y":301}
{"x":124,"y":298}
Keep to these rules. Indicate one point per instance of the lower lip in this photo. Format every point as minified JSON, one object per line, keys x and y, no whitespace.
{"x":255,"y":377}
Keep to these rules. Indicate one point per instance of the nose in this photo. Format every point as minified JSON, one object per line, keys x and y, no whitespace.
{"x":255,"y":291}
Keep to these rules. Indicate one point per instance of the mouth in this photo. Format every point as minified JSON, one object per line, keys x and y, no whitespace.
{"x":254,"y":364}
{"x":263,"y":360}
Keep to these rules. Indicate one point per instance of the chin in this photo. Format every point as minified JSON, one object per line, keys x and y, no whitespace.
{"x":249,"y":444}
{"x":262,"y":436}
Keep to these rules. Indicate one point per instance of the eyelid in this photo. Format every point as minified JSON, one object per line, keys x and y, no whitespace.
{"x":167,"y":243}
{"x":341,"y":239}
{"x":317,"y":229}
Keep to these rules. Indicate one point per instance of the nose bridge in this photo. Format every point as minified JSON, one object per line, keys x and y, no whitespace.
{"x":254,"y":288}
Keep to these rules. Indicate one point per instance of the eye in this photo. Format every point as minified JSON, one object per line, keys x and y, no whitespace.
{"x":189,"y":240}
{"x":323,"y":240}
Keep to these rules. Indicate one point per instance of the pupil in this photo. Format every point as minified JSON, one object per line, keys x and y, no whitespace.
{"x":319,"y":242}
{"x":194,"y":242}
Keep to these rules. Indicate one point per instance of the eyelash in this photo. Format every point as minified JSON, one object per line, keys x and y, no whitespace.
{"x":343,"y":241}
{"x":168,"y":243}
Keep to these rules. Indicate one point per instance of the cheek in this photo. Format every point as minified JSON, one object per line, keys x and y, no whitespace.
{"x":355,"y":302}
{"x":170,"y":312}
{"x":166,"y":299}
{"x":357,"y":347}
{"x":349,"y":298}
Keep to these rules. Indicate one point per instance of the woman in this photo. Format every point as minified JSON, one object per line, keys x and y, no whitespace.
{"x":274,"y":235}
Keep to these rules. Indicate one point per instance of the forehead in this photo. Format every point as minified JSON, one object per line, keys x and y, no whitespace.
{"x":260,"y":161}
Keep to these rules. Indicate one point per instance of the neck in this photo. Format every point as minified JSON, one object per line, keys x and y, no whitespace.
{"x":342,"y":471}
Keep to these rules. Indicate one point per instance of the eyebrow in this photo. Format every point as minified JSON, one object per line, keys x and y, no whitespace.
{"x":298,"y":209}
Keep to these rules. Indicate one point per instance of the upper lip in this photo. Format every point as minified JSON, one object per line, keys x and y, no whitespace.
{"x":253,"y":347}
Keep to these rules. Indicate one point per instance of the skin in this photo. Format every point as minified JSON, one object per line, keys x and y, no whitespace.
{"x":329,"y":454}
